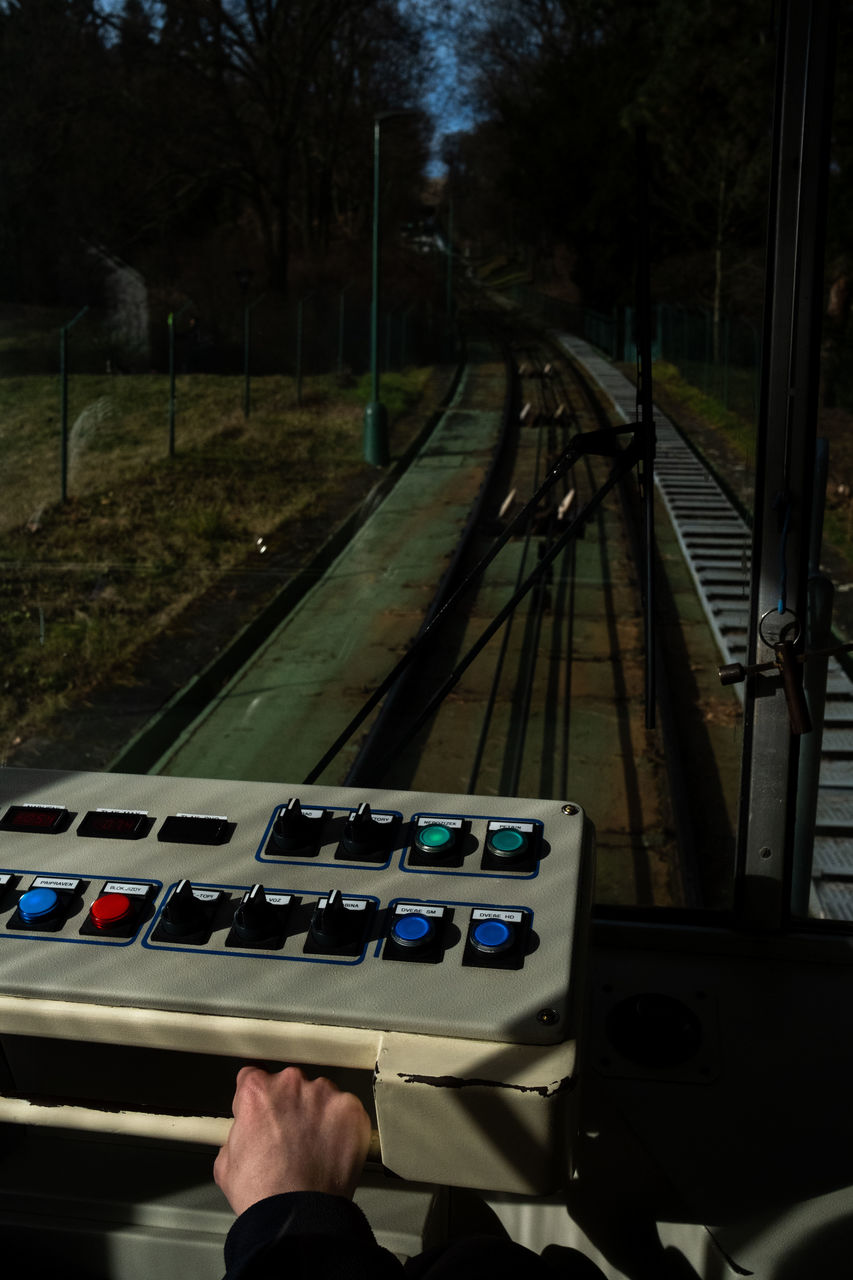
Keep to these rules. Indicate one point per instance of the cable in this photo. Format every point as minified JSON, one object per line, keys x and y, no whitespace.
{"x":623,"y":464}
{"x":493,"y":691}
{"x":580,"y":445}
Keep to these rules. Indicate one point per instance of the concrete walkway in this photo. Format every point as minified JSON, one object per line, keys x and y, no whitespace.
{"x":278,"y":716}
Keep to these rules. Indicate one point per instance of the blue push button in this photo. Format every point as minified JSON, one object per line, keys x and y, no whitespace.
{"x":37,"y":905}
{"x":492,"y":936}
{"x":413,"y":930}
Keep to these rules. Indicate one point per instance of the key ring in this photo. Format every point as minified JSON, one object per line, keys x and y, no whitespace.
{"x":786,"y":631}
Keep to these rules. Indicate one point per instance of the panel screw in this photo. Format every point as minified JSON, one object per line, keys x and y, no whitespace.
{"x":547,"y":1017}
{"x":570,"y":810}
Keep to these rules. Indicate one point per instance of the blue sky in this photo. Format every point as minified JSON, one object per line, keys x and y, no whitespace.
{"x":445,"y":100}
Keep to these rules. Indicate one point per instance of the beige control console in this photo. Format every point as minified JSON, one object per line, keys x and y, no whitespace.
{"x":426,"y":949}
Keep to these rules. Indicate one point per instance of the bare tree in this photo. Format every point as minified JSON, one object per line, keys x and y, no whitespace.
{"x":274,"y":83}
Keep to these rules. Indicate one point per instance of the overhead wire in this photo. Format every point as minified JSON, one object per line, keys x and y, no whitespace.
{"x":580,"y":444}
{"x":623,"y":463}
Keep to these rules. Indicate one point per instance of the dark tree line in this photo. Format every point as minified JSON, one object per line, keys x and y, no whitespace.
{"x":191,"y":136}
{"x":179,"y":134}
{"x":561,"y":86}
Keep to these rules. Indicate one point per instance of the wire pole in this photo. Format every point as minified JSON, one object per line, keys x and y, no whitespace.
{"x":63,"y":399}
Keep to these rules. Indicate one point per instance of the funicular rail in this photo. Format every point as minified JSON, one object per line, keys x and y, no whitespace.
{"x":553,"y":705}
{"x":716,"y":544}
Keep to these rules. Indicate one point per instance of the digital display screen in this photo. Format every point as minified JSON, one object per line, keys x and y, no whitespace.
{"x":113,"y":824}
{"x":36,"y":819}
{"x":190,"y":828}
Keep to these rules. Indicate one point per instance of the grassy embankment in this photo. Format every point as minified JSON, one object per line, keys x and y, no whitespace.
{"x":85,"y":584}
{"x":694,"y":403}
{"x":736,"y":435}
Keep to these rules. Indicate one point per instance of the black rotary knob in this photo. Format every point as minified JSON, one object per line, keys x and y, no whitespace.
{"x":363,"y":834}
{"x":292,"y":833}
{"x":334,"y":924}
{"x":183,"y":914}
{"x":255,"y":917}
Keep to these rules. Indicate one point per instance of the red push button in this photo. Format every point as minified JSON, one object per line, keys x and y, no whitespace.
{"x":110,"y":909}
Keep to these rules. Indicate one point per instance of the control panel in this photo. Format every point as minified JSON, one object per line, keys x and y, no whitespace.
{"x":416,"y":912}
{"x":428,"y":946}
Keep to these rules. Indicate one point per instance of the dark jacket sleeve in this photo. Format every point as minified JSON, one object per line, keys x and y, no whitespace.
{"x":305,"y":1235}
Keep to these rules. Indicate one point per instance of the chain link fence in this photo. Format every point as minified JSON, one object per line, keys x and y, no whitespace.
{"x":722,"y":358}
{"x":77,"y":384}
{"x":320,"y":333}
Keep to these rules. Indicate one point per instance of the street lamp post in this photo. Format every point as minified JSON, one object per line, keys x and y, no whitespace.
{"x":449,"y":285}
{"x":63,"y":399}
{"x":375,"y":414}
{"x":244,"y":279}
{"x":299,"y":315}
{"x":172,"y":321}
{"x":341,"y":327}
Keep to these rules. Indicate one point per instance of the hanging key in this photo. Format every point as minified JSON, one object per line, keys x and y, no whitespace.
{"x":787,"y":662}
{"x":736,"y":672}
{"x":792,"y":683}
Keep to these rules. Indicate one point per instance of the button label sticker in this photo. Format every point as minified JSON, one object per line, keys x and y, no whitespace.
{"x":128,"y":888}
{"x":512,"y":917}
{"x":206,"y":895}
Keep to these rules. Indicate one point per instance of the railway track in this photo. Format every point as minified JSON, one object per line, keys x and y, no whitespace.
{"x":503,"y":724}
{"x":716,"y":543}
{"x":553,"y":704}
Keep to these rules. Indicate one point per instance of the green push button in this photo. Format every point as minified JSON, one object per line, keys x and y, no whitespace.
{"x":507,"y":842}
{"x":436,"y":840}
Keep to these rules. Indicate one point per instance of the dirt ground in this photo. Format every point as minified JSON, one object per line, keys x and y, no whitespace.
{"x":98,"y":725}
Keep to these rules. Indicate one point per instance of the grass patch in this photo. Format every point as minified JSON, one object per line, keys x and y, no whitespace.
{"x":838,"y":531}
{"x":738,"y":431}
{"x":399,"y":392}
{"x":33,"y":328}
{"x":87,"y":583}
{"x":690,"y":405}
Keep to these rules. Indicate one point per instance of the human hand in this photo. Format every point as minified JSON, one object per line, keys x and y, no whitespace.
{"x":290,"y":1134}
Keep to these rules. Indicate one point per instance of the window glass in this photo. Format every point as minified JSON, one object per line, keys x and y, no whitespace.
{"x":827,"y":762}
{"x":186,"y":346}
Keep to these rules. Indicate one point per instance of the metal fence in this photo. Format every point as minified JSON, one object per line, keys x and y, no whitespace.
{"x":721,"y":358}
{"x":319,"y":333}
